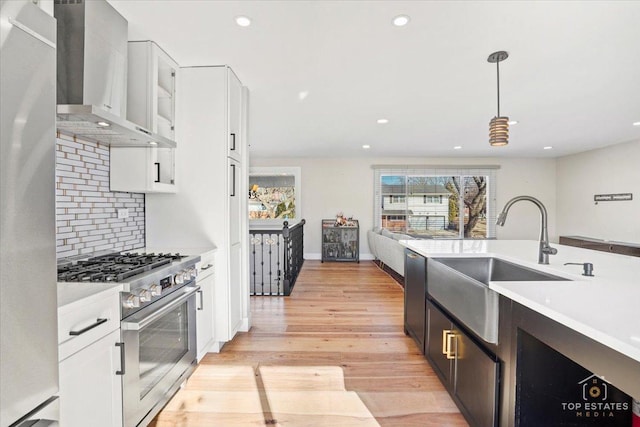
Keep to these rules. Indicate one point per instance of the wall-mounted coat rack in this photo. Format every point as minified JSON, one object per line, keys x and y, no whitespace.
{"x":612,"y":197}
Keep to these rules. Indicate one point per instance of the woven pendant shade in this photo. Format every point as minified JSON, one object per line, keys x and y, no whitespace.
{"x":499,"y":131}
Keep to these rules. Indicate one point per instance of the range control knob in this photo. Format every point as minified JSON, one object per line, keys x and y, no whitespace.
{"x":179,"y":278}
{"x":145,"y":295}
{"x":155,"y":289}
{"x":131,"y":301}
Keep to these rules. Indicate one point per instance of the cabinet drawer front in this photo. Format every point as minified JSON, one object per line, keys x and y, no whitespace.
{"x":205,"y":269}
{"x":206,"y":266}
{"x":86,"y":324}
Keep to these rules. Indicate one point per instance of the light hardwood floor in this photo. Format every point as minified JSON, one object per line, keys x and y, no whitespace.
{"x":332,"y":354}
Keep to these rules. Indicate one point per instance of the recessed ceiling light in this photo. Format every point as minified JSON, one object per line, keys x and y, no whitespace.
{"x":636,"y":123}
{"x":303,"y":94}
{"x":366,"y":146}
{"x":153,"y":143}
{"x":103,"y":124}
{"x":382,"y":121}
{"x":512,"y":122}
{"x":458,"y":147}
{"x":243,"y":21}
{"x":401,"y":20}
{"x":548,"y":147}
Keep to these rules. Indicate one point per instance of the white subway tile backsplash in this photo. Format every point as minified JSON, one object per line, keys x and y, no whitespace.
{"x":87,"y":153}
{"x":64,"y":205}
{"x":71,"y":180}
{"x":69,"y":143}
{"x":64,"y":161}
{"x":80,"y":222}
{"x":66,"y":149}
{"x":86,"y":215}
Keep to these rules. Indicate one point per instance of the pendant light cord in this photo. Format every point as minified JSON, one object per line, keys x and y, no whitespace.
{"x":498,"y":73}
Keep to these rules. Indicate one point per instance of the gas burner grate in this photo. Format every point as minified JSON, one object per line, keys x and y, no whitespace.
{"x":114,"y":267}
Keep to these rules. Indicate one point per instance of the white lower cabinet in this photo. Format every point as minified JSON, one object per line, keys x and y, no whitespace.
{"x":90,"y":389}
{"x":205,"y":308}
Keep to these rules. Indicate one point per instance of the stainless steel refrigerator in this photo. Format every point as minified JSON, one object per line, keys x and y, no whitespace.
{"x":28,"y":307}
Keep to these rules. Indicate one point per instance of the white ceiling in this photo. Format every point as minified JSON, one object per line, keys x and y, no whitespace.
{"x":572,"y":78}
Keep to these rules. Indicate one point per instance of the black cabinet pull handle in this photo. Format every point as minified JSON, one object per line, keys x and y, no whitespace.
{"x":201,"y":300}
{"x":157,"y":172}
{"x":233,"y":142}
{"x":88,"y":328}
{"x":233,"y":180}
{"x":122,"y":370}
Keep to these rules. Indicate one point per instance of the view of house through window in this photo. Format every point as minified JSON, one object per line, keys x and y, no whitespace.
{"x":272,"y":197}
{"x":436,"y":206}
{"x":274,"y":194}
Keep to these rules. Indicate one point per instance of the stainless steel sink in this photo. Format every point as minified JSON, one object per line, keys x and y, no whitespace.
{"x":460,"y":285}
{"x":490,"y":269}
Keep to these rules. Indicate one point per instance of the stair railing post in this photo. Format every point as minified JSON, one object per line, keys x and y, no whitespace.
{"x":287,"y":258}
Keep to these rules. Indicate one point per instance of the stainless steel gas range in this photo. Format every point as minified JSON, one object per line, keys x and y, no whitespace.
{"x":157,"y":319}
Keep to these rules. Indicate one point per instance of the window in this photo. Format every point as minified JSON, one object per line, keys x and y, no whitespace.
{"x":274,"y":195}
{"x":437,"y":202}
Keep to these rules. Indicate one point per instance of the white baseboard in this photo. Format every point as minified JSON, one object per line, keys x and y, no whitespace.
{"x":245,"y":325}
{"x":318,"y":256}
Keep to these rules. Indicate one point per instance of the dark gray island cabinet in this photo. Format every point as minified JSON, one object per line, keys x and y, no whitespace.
{"x":539,"y":373}
{"x":468,"y":371}
{"x":415,"y":293}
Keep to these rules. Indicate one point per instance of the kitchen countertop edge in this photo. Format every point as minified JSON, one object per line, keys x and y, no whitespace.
{"x":71,"y":292}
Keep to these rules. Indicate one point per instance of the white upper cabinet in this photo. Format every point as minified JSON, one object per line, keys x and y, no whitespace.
{"x":142,"y":170}
{"x":151,"y":104}
{"x":235,"y":146}
{"x":152,"y":75}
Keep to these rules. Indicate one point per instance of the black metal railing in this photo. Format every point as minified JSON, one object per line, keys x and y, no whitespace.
{"x":276,"y":258}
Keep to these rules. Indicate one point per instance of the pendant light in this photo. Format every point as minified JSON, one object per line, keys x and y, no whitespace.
{"x":498,"y":126}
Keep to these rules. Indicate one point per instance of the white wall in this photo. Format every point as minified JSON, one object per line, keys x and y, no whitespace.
{"x":332,"y":185}
{"x":613,"y":169}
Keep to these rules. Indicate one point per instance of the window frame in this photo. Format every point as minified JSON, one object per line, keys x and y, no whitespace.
{"x":294,"y":171}
{"x":460,"y":172}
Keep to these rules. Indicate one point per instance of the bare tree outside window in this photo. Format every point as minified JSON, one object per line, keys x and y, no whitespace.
{"x":474,"y":192}
{"x":430,"y":206}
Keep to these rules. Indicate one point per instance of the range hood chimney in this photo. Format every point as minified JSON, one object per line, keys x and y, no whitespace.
{"x":92,"y":76}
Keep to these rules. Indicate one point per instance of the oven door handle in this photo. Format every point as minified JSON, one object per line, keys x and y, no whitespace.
{"x":138,"y":324}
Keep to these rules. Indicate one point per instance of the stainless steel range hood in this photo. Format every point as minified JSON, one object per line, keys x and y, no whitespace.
{"x":92,"y":76}
{"x":95,"y":124}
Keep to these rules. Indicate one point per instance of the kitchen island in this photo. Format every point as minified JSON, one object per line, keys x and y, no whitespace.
{"x":591,"y":320}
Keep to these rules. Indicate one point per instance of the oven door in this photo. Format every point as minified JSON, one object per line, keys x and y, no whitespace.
{"x":159,"y":353}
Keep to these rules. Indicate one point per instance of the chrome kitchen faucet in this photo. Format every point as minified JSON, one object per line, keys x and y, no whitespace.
{"x":545,"y":249}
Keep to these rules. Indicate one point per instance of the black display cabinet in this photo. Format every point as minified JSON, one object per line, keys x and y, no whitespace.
{"x":340,"y":242}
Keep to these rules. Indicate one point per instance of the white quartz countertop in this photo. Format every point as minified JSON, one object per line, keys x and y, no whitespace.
{"x":605,"y":308}
{"x":70,"y":292}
